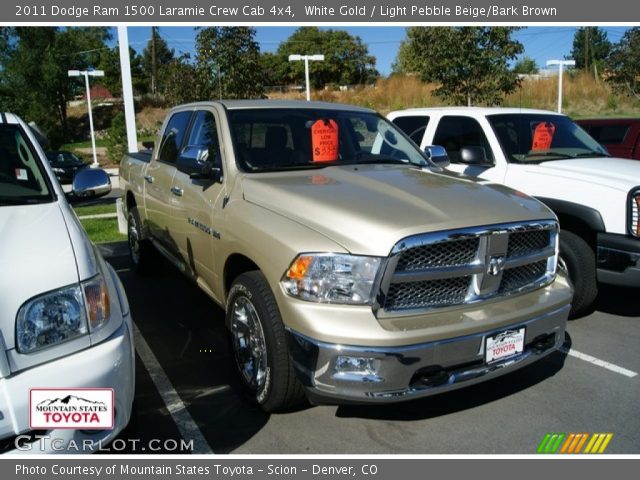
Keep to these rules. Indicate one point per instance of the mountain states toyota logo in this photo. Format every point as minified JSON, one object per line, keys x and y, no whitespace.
{"x":79,"y":408}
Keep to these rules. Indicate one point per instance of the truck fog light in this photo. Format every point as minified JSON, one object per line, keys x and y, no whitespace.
{"x":357,"y":365}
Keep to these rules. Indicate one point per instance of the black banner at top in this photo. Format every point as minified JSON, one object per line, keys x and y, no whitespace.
{"x":315,"y":11}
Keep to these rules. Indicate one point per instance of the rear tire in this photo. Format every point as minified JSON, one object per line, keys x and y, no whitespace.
{"x":139,"y":248}
{"x":259,"y":344}
{"x":578,"y":260}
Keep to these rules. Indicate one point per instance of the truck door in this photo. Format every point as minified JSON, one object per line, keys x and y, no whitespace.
{"x":196,"y":225}
{"x":470,"y":150}
{"x":159,"y":177}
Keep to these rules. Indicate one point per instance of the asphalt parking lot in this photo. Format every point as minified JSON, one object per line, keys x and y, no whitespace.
{"x":185,"y":376}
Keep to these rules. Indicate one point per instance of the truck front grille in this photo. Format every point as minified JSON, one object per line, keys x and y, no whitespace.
{"x":466,"y":266}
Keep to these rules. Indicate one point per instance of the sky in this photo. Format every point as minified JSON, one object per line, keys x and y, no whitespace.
{"x":540,"y":43}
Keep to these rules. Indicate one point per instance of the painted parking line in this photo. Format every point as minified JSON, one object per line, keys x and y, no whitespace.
{"x":600,"y":363}
{"x":176,"y":407}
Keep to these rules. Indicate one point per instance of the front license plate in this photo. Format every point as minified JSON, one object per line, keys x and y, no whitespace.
{"x":504,"y":344}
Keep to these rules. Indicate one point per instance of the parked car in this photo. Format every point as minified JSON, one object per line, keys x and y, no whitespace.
{"x":65,"y":165}
{"x":620,"y":136}
{"x":545,"y":154}
{"x":64,"y":317}
{"x":349,"y":269}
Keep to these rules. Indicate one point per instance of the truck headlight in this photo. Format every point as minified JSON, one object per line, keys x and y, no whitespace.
{"x":62,"y":315}
{"x":332,"y":278}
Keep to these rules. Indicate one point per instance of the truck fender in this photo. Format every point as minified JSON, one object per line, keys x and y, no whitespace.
{"x":589,"y":216}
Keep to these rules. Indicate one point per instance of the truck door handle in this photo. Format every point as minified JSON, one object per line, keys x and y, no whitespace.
{"x":148,"y":178}
{"x":177,"y":191}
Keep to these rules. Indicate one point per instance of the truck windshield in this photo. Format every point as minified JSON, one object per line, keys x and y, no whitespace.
{"x":299,"y":138}
{"x":22,"y":179}
{"x":535,"y":138}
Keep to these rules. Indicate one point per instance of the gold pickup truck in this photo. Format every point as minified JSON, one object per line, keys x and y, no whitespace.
{"x":352,"y":269}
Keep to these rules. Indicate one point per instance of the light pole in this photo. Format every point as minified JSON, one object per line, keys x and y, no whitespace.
{"x":560,"y":63}
{"x":87,"y":74}
{"x":306,"y":58}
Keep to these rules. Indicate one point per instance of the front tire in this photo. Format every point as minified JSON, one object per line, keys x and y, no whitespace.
{"x":578,"y":260}
{"x":259,"y":344}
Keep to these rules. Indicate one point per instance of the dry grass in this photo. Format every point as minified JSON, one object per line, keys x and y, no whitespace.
{"x":583,"y":96}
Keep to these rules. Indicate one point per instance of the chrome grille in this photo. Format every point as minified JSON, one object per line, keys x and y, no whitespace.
{"x":526,"y":243}
{"x":466,"y":266}
{"x":518,"y":277}
{"x":634,"y":198}
{"x":445,"y":254}
{"x":446,"y":291}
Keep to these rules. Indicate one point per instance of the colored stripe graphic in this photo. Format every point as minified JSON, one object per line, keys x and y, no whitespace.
{"x":572,"y":443}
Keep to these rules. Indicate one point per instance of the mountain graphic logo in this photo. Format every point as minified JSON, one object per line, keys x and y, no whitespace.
{"x":69,"y":401}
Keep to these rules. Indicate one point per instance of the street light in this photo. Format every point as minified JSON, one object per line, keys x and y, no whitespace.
{"x":306,"y":58}
{"x":560,"y":63}
{"x":87,"y":74}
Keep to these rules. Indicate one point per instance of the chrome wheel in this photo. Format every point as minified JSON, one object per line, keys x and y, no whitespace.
{"x":134,"y":240}
{"x":249,"y":345}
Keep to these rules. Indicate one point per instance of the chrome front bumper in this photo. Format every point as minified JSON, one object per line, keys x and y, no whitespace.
{"x":414,"y":371}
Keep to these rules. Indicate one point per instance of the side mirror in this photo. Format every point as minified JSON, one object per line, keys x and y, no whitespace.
{"x":437,"y":155}
{"x":475,"y":156}
{"x":148,"y":145}
{"x":90,"y":183}
{"x":193,"y":162}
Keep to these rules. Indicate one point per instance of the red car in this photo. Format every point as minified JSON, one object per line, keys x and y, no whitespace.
{"x":621,"y":136}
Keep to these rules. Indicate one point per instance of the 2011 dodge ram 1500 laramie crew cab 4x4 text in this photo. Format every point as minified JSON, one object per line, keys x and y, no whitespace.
{"x":350,"y":269}
{"x":545,"y":154}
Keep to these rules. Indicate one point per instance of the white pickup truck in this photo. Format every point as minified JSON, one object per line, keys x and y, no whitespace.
{"x":545,"y":154}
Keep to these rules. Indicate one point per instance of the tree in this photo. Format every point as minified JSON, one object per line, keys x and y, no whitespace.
{"x":228,"y":63}
{"x":181,"y":81}
{"x":110,"y":63}
{"x":346,"y":58}
{"x":624,"y":64}
{"x":526,"y":66}
{"x":590,"y":48}
{"x":164,"y":56}
{"x":35,"y":61}
{"x":469,"y":64}
{"x":117,"y":138}
{"x":406,"y":63}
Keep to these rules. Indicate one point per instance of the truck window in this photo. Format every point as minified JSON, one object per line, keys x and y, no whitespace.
{"x":294,"y":138}
{"x":454,"y":133}
{"x":413,"y":125}
{"x":22,"y":180}
{"x":609,"y":134}
{"x":173,"y":137}
{"x":520,"y":136}
{"x":204,"y":136}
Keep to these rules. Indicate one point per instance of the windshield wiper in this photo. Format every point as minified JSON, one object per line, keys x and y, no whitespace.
{"x":6,"y":201}
{"x":592,"y":153}
{"x":304,"y":166}
{"x":547,"y":154}
{"x":380,"y":159}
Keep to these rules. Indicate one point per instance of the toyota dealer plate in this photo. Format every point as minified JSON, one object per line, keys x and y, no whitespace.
{"x":504,"y":344}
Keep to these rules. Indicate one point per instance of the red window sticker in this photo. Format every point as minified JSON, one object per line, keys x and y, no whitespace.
{"x":324,"y":141}
{"x":543,"y":136}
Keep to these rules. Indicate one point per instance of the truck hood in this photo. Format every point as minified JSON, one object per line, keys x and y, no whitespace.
{"x":36,"y":257}
{"x":615,"y":173}
{"x":368,"y":208}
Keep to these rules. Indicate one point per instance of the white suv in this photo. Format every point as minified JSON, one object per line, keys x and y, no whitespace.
{"x":64,"y":316}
